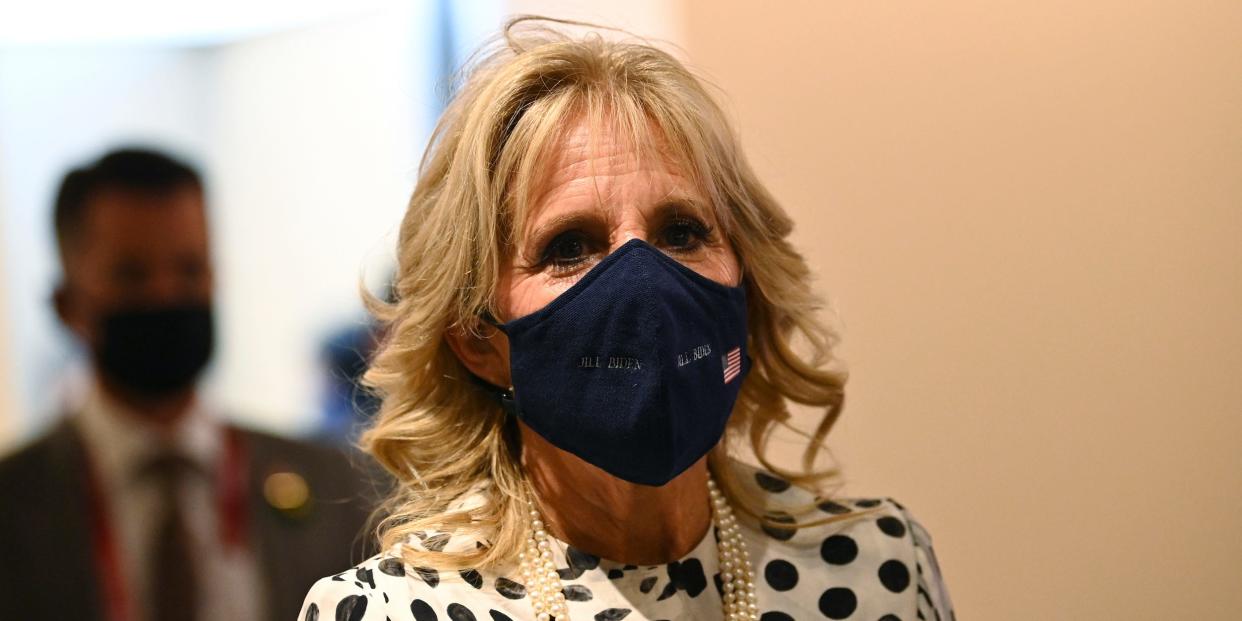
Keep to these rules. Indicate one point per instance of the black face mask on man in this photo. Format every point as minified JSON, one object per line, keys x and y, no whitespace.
{"x":155,"y":351}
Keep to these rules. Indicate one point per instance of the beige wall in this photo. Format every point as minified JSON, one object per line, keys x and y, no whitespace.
{"x":1030,"y":218}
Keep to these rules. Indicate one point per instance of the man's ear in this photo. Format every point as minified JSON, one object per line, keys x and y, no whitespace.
{"x":484,"y":350}
{"x":67,"y":310}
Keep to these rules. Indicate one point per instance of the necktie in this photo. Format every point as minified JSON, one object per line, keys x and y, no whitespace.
{"x":171,"y":575}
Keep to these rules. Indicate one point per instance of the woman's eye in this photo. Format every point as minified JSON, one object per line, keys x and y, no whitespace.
{"x":566,"y":250}
{"x":685,"y":234}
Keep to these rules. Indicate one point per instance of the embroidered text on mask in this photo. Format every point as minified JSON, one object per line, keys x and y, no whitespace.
{"x":652,"y":394}
{"x":614,"y":362}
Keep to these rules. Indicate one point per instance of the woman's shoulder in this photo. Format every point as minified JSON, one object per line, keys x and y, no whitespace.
{"x":797,"y":517}
{"x":786,"y":502}
{"x":361,"y":592}
{"x":381,"y":587}
{"x":797,"y":514}
{"x":877,"y":538}
{"x":386,"y":587}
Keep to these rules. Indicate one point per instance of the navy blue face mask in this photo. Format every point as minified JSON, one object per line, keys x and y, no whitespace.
{"x":635,"y":368}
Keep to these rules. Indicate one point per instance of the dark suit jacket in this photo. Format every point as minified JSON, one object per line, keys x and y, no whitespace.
{"x":47,"y":569}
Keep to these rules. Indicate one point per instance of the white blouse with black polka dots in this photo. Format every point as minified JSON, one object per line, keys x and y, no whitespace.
{"x":878,"y":567}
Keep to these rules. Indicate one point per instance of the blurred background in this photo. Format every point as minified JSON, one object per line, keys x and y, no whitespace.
{"x":1028,"y":217}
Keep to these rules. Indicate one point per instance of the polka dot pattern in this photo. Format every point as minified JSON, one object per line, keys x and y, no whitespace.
{"x":775,"y":616}
{"x":472,"y":578}
{"x":457,"y":612}
{"x":436,"y":543}
{"x":647,"y":584}
{"x":834,"y":508}
{"x":579,"y":563}
{"x":891,"y":526}
{"x":894,"y":575}
{"x":351,"y":608}
{"x":872,"y":565}
{"x":392,"y":567}
{"x":838,"y":550}
{"x":422,"y":611}
{"x":775,"y":527}
{"x":771,"y":483}
{"x":509,"y":588}
{"x":577,"y":593}
{"x":838,"y":603}
{"x":781,"y":575}
{"x":428,"y":575}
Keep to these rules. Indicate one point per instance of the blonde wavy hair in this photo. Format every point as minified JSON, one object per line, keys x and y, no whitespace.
{"x":442,"y":436}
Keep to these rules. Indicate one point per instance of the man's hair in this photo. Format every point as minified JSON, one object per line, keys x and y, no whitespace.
{"x":131,"y":169}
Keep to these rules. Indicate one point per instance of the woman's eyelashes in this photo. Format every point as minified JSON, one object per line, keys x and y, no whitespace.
{"x":571,"y":250}
{"x":684,"y":234}
{"x":566,"y":251}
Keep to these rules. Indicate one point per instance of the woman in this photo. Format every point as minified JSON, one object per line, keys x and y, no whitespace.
{"x":597,"y":305}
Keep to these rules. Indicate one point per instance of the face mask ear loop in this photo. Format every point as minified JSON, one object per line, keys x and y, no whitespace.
{"x":508,"y":402}
{"x":487,"y":318}
{"x":504,"y":396}
{"x":512,"y":434}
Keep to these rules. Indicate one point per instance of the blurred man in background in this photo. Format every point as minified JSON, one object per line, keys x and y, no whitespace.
{"x":144,"y":503}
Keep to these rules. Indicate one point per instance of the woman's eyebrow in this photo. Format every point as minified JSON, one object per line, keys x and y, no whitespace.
{"x":683,"y":205}
{"x":578,"y":218}
{"x":540,"y":231}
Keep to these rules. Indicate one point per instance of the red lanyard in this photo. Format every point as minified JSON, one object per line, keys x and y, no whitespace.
{"x":230,"y":505}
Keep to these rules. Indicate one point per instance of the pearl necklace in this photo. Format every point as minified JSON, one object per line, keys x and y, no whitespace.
{"x":547,"y":596}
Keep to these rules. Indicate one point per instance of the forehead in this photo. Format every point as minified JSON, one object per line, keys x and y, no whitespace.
{"x":596,"y":165}
{"x":140,"y":221}
{"x":586,"y":148}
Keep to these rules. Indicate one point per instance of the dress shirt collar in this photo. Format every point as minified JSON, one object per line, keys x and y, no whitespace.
{"x":119,"y":441}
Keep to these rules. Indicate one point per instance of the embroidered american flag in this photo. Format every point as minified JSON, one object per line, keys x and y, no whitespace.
{"x":732,"y":364}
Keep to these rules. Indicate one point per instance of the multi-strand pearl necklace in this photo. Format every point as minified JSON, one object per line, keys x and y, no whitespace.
{"x":737,"y":581}
{"x":547,"y":596}
{"x":538,"y":571}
